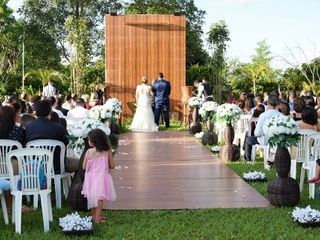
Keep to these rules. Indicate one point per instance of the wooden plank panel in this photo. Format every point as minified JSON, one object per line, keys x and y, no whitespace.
{"x":151,"y":178}
{"x":138,"y":45}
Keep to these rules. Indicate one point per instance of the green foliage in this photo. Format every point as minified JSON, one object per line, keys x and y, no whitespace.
{"x":284,"y":140}
{"x":197,"y":71}
{"x":218,"y":36}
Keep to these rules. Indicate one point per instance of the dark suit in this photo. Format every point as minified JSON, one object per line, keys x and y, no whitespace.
{"x":43,"y":128}
{"x":161,"y":89}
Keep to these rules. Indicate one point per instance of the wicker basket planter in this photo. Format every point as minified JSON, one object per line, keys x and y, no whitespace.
{"x":195,"y":126}
{"x":229,"y":152}
{"x":283,"y":191}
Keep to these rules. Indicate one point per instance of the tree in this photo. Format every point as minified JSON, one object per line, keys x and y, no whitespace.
{"x":218,"y":36}
{"x":259,"y":70}
{"x":309,"y":67}
{"x":194,"y":21}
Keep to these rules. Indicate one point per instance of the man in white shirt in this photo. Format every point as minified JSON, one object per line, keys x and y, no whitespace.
{"x":49,"y":90}
{"x":259,"y":137}
{"x":79,"y":112}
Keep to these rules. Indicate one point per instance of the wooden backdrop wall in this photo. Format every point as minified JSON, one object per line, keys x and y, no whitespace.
{"x":143,"y":45}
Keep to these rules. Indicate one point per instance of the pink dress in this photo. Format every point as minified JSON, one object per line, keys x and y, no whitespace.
{"x":98,"y":184}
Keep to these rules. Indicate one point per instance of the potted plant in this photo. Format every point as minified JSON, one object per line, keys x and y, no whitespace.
{"x":208,"y":114}
{"x":229,"y":114}
{"x":282,"y":132}
{"x":195,"y":103}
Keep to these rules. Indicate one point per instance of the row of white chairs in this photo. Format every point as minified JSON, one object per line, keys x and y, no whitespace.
{"x":36,"y":152}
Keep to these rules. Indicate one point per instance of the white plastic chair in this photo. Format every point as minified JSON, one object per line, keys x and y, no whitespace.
{"x":300,"y":151}
{"x":241,"y":128}
{"x":51,"y":145}
{"x":30,"y":162}
{"x":6,"y":146}
{"x":4,"y":208}
{"x":309,"y":165}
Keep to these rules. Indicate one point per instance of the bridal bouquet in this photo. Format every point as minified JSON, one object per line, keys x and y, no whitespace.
{"x":208,"y":110}
{"x":282,"y":130}
{"x":306,"y":216}
{"x":195,"y":102}
{"x":228,"y":113}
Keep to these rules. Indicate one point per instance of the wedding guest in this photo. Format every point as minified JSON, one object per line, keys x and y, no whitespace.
{"x":34,"y":99}
{"x":54,"y":105}
{"x":59,"y":106}
{"x":25,"y":105}
{"x":99,"y":92}
{"x":97,"y":162}
{"x":86,"y":99}
{"x":43,"y":128}
{"x":208,"y":89}
{"x":292,"y":96}
{"x":309,"y":119}
{"x":67,"y":102}
{"x":10,"y":127}
{"x":257,"y":101}
{"x":309,"y":101}
{"x":298,"y":105}
{"x":284,"y":108}
{"x":26,"y":118}
{"x":79,"y":112}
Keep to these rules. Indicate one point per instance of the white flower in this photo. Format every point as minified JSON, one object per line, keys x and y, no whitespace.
{"x":228,"y":112}
{"x":280,"y":125}
{"x":306,"y":215}
{"x":195,"y":102}
{"x":83,"y":127}
{"x":73,"y":222}
{"x":254,"y":176}
{"x":199,"y":135}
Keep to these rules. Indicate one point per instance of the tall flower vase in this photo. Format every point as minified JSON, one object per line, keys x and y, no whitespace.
{"x":209,"y":137}
{"x":284,"y":190}
{"x":195,"y":126}
{"x":229,"y":152}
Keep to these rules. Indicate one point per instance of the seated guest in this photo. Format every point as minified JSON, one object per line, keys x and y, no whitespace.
{"x":298,"y":105}
{"x":43,"y":128}
{"x":309,"y":101}
{"x":26,"y":118}
{"x":249,"y":139}
{"x":258,"y":137}
{"x":79,"y":112}
{"x":309,"y":119}
{"x":257,"y":101}
{"x":284,"y":108}
{"x":67,"y":102}
{"x":60,"y":108}
{"x":53,"y":101}
{"x":10,"y":124}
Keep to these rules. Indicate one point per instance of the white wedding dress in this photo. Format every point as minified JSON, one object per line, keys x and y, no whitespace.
{"x":143,"y":120}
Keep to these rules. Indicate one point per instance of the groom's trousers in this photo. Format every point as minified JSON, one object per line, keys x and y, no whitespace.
{"x":157,"y":111}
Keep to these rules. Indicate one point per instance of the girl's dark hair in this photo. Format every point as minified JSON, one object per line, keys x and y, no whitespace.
{"x":284,"y":108}
{"x":309,"y":116}
{"x":8,"y":115}
{"x":298,"y":104}
{"x":99,"y":139}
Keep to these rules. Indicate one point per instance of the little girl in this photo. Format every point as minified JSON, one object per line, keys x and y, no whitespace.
{"x":98,"y":185}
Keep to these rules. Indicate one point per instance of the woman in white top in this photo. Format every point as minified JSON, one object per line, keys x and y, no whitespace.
{"x":143,"y":120}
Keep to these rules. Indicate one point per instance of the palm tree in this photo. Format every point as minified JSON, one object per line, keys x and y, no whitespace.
{"x":44,"y":75}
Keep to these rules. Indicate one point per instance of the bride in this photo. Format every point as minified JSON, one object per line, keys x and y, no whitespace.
{"x":143,"y":120}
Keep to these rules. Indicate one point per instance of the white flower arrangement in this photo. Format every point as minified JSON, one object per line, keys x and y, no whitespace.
{"x":306,"y":215}
{"x":199,"y":135}
{"x":195,"y":102}
{"x":78,"y":132}
{"x":100,"y":112}
{"x":281,"y":131}
{"x":228,"y":113}
{"x":113,"y":105}
{"x":208,"y":110}
{"x":74,"y":222}
{"x":215,"y":149}
{"x":254,"y":176}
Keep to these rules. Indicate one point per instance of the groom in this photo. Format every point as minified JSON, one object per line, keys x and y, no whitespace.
{"x":161,"y":90}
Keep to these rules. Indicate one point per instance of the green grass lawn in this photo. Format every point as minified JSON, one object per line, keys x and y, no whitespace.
{"x":272,"y":223}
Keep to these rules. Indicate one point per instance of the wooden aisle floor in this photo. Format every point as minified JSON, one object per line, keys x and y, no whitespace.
{"x":172,"y":170}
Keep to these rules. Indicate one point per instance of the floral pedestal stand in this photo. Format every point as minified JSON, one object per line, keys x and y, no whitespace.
{"x":195,"y":126}
{"x":229,"y":152}
{"x":209,"y":137}
{"x":284,"y":190}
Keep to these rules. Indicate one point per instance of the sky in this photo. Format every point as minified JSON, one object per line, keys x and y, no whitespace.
{"x":283,"y":23}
